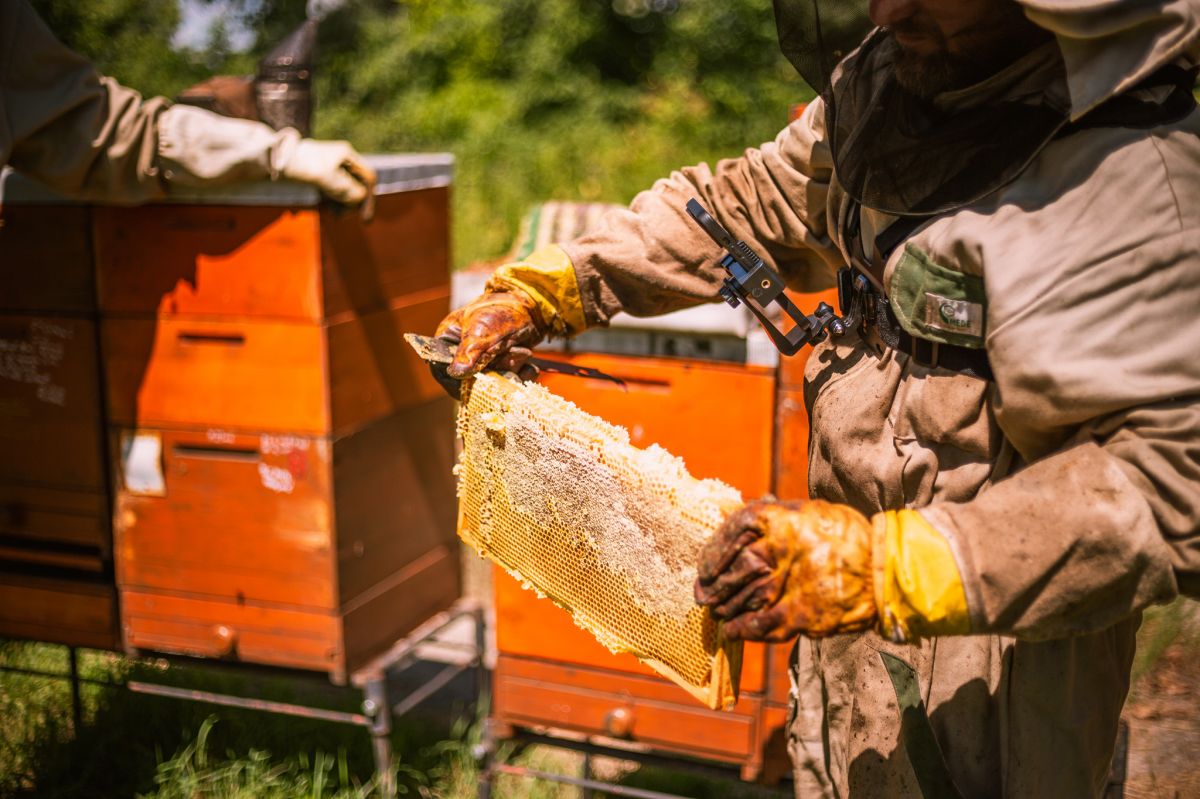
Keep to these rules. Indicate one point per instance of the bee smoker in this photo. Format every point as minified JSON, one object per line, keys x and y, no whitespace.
{"x":283,"y":85}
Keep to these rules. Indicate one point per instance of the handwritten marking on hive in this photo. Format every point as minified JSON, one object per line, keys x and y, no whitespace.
{"x":30,"y":360}
{"x":215,"y":436}
{"x":282,"y":445}
{"x":277,"y":479}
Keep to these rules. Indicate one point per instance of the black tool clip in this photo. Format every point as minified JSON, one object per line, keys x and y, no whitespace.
{"x":755,"y":283}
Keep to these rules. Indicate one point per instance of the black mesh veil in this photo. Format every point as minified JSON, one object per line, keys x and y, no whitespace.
{"x":892,"y":151}
{"x":815,"y":36}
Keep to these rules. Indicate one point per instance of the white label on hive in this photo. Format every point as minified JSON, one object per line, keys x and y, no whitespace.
{"x":141,"y":464}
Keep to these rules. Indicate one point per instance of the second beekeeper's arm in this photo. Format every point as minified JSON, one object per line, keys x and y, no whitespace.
{"x":652,"y":258}
{"x":89,"y":137}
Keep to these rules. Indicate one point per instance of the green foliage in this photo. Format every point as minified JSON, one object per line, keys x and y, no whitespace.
{"x":238,"y":753}
{"x":128,"y":39}
{"x":37,"y":714}
{"x":541,"y":99}
{"x":193,"y":772}
{"x":1163,"y":626}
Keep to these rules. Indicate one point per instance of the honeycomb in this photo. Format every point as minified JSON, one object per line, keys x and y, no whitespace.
{"x":607,"y":531}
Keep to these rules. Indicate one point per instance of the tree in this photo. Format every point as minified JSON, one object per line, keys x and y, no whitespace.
{"x":538,"y":99}
{"x":127,"y":39}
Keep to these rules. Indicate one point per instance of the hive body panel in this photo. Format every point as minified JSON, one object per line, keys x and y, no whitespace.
{"x":608,"y":531}
{"x":212,"y":439}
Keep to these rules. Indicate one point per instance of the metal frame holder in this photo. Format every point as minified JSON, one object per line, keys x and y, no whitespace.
{"x":753,"y":282}
{"x":490,"y":768}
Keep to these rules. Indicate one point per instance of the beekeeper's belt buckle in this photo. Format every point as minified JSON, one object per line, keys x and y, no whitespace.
{"x":923,"y":351}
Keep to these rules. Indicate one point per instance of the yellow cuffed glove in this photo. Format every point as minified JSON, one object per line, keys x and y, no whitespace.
{"x":522,"y":303}
{"x":775,"y":570}
{"x":547,"y":278}
{"x":918,"y":587}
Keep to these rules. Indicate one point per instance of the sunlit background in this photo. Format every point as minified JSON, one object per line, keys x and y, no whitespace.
{"x":538,"y":99}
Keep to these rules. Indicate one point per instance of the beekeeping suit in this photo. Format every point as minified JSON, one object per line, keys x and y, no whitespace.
{"x":1023,"y":454}
{"x":89,"y":137}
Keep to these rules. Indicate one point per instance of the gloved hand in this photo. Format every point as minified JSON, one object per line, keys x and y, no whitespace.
{"x":776,"y":569}
{"x":335,"y":168}
{"x":522,"y":303}
{"x":496,"y":329}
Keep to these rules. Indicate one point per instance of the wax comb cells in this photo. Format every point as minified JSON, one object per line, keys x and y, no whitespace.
{"x":606,"y":530}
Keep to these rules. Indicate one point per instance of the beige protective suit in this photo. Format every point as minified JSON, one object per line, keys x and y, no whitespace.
{"x":92,"y":138}
{"x":1068,"y":487}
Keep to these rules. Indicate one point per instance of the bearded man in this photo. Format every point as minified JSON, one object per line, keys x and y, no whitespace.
{"x":1005,"y":451}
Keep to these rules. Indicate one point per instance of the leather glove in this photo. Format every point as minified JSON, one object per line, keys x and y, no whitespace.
{"x":522,"y":303}
{"x":495,"y":329}
{"x":335,"y":168}
{"x":777,"y":569}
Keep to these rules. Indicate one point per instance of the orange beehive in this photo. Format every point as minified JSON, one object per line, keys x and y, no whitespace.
{"x":238,"y":393}
{"x":281,"y":457}
{"x":55,"y":545}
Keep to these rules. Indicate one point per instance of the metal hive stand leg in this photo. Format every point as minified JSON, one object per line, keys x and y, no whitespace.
{"x":485,"y":757}
{"x":372,"y":678}
{"x":377,"y":709}
{"x":76,"y":702}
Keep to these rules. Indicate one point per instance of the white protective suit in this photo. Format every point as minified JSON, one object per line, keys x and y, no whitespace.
{"x":1065,"y":489}
{"x":91,"y":138}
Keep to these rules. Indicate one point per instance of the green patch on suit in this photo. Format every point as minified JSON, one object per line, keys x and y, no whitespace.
{"x":937,"y":303}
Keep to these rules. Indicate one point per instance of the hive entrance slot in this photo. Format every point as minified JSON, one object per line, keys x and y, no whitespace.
{"x":213,"y":452}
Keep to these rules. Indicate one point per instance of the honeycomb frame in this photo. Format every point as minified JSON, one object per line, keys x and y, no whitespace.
{"x":607,"y":531}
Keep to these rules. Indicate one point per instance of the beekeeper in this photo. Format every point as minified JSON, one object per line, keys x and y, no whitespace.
{"x":89,"y":137}
{"x":1005,"y":453}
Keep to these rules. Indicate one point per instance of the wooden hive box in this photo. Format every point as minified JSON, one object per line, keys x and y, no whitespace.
{"x":281,"y":459}
{"x":55,"y":542}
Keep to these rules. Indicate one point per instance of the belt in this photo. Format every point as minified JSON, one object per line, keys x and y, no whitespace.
{"x":880,"y":328}
{"x":933,"y":354}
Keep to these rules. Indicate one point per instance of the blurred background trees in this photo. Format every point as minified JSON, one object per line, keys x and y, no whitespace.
{"x":538,"y":99}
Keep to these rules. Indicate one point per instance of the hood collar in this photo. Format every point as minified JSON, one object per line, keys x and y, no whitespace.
{"x":1035,"y":78}
{"x":1109,"y":46}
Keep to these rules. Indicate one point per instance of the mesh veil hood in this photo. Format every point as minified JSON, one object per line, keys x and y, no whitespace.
{"x":1109,"y":46}
{"x":909,"y":157}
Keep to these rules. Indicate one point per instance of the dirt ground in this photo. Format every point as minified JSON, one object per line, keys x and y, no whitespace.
{"x":1163,"y":711}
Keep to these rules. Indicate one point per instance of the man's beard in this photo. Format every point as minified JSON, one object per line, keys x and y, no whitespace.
{"x":984,"y":50}
{"x":926,"y":76}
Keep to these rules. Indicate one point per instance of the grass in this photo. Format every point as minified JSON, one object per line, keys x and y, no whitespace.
{"x":1164,"y":625}
{"x":131,"y":744}
{"x":136,"y":745}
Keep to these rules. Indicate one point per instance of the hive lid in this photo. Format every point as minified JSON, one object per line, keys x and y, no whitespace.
{"x":398,"y":172}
